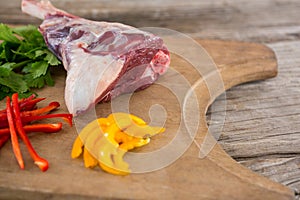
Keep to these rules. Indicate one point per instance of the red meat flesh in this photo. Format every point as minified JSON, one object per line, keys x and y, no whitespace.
{"x":103,"y":60}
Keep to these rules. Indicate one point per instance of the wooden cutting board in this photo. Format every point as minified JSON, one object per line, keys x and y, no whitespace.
{"x":216,"y":176}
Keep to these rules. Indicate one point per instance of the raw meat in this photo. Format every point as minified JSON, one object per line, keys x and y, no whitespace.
{"x":103,"y":60}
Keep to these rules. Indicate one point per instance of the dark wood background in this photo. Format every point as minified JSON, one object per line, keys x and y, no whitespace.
{"x":262,"y":128}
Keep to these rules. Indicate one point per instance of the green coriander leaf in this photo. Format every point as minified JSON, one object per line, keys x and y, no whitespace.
{"x":2,"y":51}
{"x":15,"y":82}
{"x":6,"y":34}
{"x":5,"y":89}
{"x":21,"y":64}
{"x":6,"y":69}
{"x":6,"y":53}
{"x":25,"y":94}
{"x":3,"y":94}
{"x":2,"y":54}
{"x":8,"y":65}
{"x":20,"y":53}
{"x":39,"y":53}
{"x":38,"y":82}
{"x":51,"y":59}
{"x":4,"y":72}
{"x":24,"y":60}
{"x":24,"y":48}
{"x":24,"y":31}
{"x":31,"y":35}
{"x":27,"y":51}
{"x":38,"y":68}
{"x":48,"y":79}
{"x":26,"y":69}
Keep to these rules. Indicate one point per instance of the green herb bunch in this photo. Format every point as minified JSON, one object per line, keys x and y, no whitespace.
{"x":24,"y":61}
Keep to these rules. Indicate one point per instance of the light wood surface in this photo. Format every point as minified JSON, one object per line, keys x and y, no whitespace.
{"x":214,"y":176}
{"x":262,"y":118}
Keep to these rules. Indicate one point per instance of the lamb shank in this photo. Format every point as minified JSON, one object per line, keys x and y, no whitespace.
{"x":103,"y":60}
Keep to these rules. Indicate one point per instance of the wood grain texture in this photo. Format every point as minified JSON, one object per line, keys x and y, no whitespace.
{"x":215,"y":176}
{"x":273,"y":108}
{"x":264,"y":113}
{"x":265,"y":20}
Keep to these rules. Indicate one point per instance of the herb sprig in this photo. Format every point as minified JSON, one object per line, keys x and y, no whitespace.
{"x":24,"y":61}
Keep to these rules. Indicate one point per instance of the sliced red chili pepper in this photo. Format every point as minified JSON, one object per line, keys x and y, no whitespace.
{"x":45,"y":128}
{"x":26,"y":104}
{"x":3,"y":120}
{"x":40,"y":162}
{"x":46,"y":109}
{"x":4,"y":132}
{"x":27,"y":99}
{"x":13,"y":134}
{"x":30,"y":104}
{"x":66,"y":117}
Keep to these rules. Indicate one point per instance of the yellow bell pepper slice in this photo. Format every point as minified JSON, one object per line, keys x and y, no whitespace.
{"x":119,"y":167}
{"x":89,"y":160}
{"x":143,"y":131}
{"x":134,"y":142}
{"x":105,"y":141}
{"x":77,"y":148}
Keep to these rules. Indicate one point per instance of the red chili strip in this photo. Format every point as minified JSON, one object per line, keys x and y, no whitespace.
{"x":27,"y":99}
{"x":52,"y":106}
{"x":13,"y":134}
{"x":46,"y":109}
{"x":26,"y":104}
{"x":45,"y":128}
{"x":3,"y":120}
{"x":4,"y":132}
{"x":66,"y":117}
{"x":30,"y":104}
{"x":40,"y":162}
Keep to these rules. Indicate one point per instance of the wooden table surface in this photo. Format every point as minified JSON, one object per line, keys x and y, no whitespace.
{"x":262,"y":127}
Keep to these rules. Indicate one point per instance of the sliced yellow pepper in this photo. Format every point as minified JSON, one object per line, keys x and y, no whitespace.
{"x":134,"y":143}
{"x":105,"y":141}
{"x":110,"y":133}
{"x":103,"y":122}
{"x":77,"y":148}
{"x":89,"y":160}
{"x":143,"y":131}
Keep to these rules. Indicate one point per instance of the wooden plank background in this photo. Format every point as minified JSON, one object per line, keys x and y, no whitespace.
{"x":262,"y":128}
